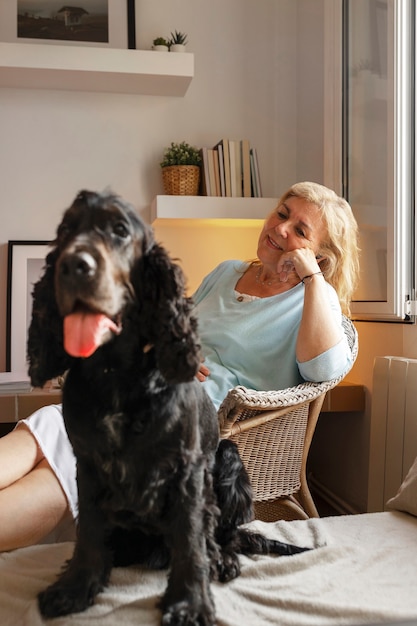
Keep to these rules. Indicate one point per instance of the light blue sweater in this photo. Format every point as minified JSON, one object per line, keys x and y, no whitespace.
{"x":253,"y":343}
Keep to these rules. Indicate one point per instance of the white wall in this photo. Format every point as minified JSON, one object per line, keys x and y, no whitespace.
{"x":54,"y":143}
{"x":252,"y":79}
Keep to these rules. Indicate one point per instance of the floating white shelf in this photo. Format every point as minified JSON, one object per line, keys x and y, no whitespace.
{"x":210,"y":207}
{"x":78,"y":68}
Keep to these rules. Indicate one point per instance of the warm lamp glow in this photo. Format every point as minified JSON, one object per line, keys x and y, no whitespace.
{"x":201,"y":244}
{"x":210,"y":222}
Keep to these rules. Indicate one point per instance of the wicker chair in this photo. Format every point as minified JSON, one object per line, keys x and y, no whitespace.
{"x":273,"y":431}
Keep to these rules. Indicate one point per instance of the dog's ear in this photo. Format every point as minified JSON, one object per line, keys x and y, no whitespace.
{"x":46,"y":355}
{"x":166,"y":315}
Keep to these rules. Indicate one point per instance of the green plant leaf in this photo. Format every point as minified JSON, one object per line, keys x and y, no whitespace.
{"x":181,"y":154}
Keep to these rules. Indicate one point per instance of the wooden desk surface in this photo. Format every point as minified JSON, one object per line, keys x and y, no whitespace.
{"x":13,"y":407}
{"x":345,"y":397}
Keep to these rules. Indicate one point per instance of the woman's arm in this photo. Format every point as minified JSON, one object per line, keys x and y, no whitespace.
{"x":320,"y":329}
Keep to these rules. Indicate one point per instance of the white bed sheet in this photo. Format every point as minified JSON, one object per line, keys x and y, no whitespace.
{"x":363,"y":571}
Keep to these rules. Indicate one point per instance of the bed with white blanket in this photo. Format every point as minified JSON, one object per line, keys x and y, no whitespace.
{"x":363,"y":570}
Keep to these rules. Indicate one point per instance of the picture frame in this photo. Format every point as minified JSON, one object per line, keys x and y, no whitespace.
{"x":119,"y":26}
{"x":131,"y":24}
{"x":25,"y":263}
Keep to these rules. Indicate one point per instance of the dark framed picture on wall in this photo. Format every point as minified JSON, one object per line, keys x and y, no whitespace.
{"x":25,"y":263}
{"x":99,"y":23}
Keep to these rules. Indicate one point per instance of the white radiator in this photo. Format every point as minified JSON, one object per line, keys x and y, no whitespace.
{"x":393,"y":429}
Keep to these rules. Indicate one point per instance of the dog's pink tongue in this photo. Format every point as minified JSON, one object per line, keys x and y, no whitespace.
{"x":85,"y":332}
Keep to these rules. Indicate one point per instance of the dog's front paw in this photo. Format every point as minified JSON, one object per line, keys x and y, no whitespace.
{"x":184,"y":614}
{"x":59,"y":599}
{"x":228,"y":567}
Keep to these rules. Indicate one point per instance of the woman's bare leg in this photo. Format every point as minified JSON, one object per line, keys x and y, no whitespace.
{"x":19,"y":454}
{"x":32,"y":501}
{"x":31,"y":507}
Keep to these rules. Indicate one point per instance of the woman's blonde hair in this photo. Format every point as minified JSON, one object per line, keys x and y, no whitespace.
{"x":340,"y":249}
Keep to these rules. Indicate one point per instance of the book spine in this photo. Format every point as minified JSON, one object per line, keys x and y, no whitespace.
{"x":257,"y":173}
{"x":253,"y":176}
{"x":212,"y":175}
{"x":238,"y":165}
{"x":246,"y":182}
{"x":205,"y":180}
{"x":226,"y":161}
{"x":221,"y":170}
{"x":216,"y":171}
{"x":232,"y":155}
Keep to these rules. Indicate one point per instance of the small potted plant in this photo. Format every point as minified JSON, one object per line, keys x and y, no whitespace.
{"x":160,"y":44}
{"x":177,"y":42}
{"x":181,"y":169}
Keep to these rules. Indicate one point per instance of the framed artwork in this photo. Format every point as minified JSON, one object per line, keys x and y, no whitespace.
{"x":26,"y":260}
{"x":98,"y":23}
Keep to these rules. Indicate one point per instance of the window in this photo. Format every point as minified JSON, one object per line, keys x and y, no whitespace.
{"x":376,"y":109}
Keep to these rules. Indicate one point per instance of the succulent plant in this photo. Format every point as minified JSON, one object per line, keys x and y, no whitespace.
{"x":160,"y":41}
{"x":180,"y":154}
{"x":178,"y":38}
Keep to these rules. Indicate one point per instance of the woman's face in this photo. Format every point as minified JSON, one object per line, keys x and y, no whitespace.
{"x":294,"y":224}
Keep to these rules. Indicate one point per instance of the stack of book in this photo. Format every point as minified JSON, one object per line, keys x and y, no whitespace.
{"x":230,"y":169}
{"x":12,"y":383}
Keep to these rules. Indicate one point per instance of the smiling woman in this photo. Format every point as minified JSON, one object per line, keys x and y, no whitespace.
{"x":287,"y":319}
{"x":295,"y":225}
{"x":312,"y":232}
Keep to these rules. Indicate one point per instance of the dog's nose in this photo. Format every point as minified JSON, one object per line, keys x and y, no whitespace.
{"x":81,"y":265}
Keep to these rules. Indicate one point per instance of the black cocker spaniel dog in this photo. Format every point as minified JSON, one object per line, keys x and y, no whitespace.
{"x":155,"y":485}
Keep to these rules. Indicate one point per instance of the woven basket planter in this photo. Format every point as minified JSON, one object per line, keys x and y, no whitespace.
{"x":181,"y":180}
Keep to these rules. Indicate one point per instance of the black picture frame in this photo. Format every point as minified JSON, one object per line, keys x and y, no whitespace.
{"x":121,"y":26}
{"x":25,"y":263}
{"x":131,"y":24}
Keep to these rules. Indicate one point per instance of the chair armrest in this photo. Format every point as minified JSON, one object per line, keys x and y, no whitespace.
{"x":242,"y":404}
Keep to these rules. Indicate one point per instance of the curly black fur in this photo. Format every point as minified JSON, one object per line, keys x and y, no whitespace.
{"x":154,"y":484}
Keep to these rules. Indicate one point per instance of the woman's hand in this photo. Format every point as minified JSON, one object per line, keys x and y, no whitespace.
{"x":202,"y":373}
{"x":302,"y":261}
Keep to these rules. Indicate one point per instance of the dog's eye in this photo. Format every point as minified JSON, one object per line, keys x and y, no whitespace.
{"x":120,"y":230}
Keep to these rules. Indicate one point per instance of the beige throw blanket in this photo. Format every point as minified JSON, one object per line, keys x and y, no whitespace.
{"x":363,"y":571}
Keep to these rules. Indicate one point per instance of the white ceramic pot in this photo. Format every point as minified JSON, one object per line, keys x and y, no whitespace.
{"x":160,"y":48}
{"x":177,"y":47}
